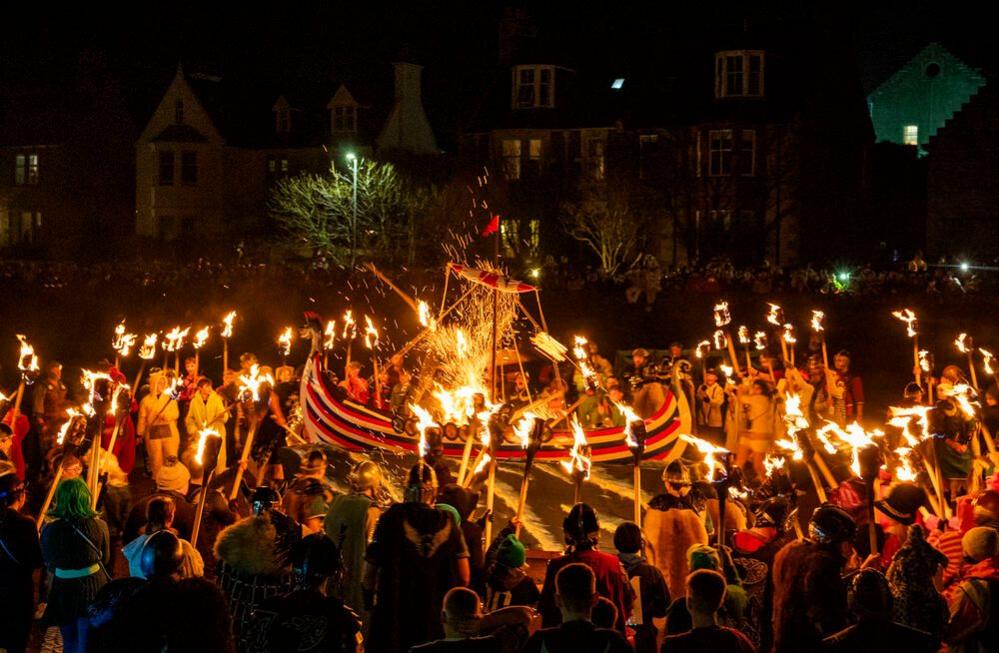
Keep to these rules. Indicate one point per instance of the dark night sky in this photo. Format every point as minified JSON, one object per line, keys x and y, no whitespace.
{"x":270,"y":41}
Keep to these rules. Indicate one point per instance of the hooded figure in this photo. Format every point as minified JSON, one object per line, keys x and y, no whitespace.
{"x":917,"y":603}
{"x":672,"y":526}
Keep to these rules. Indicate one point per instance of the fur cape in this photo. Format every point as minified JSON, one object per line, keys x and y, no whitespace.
{"x":249,"y":547}
{"x":671,"y":529}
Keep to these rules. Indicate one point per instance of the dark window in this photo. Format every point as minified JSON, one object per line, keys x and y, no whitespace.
{"x":178,"y":112}
{"x":166,"y":167}
{"x":283,"y":121}
{"x":189,"y":168}
{"x":525,"y":88}
{"x":344,"y":119}
{"x":720,"y":152}
{"x":187,"y":226}
{"x":545,"y":88}
{"x":747,"y":153}
{"x":167,"y":227}
{"x":932,"y":70}
{"x":755,"y":71}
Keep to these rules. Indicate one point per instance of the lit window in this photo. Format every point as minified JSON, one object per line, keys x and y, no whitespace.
{"x":25,"y":169}
{"x":166,"y":167}
{"x":595,"y":162}
{"x":178,"y":112}
{"x":344,"y":119}
{"x":720,"y":152}
{"x":283,"y":117}
{"x":284,"y":165}
{"x":511,"y":158}
{"x":533,"y":157}
{"x":271,"y":165}
{"x":747,"y":153}
{"x":739,"y":73}
{"x":618,"y":84}
{"x":534,"y":87}
{"x":189,"y":168}
{"x":910,"y":135}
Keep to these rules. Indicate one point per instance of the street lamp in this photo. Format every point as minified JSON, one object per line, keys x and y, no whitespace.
{"x":353,"y":221}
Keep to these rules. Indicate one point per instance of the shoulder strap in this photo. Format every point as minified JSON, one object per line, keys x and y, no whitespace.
{"x":100,"y":554}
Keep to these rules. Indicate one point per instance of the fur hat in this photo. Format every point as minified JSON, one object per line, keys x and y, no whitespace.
{"x":980,"y":543}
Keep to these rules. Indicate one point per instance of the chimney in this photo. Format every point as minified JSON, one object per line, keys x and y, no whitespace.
{"x":407,"y":127}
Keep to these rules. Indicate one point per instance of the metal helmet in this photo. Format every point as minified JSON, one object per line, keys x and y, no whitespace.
{"x":831,"y":524}
{"x":366,"y":475}
{"x":161,"y":555}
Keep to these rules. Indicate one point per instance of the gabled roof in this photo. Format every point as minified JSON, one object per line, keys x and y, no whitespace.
{"x":935,"y":53}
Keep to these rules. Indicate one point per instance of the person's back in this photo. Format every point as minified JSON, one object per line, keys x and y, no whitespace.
{"x":705,"y":594}
{"x":305,"y":620}
{"x":460,"y":617}
{"x":648,"y":586}
{"x":575,"y":596}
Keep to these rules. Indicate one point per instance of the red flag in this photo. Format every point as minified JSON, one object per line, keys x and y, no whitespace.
{"x":492,"y":227}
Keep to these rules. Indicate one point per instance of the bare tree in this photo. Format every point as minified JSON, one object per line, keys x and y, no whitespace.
{"x":610,"y":219}
{"x":317,"y":211}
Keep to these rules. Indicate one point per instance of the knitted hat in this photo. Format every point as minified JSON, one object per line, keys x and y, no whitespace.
{"x":902,"y":503}
{"x":703,"y":556}
{"x":980,"y":543}
{"x":511,"y":553}
{"x":173,"y":476}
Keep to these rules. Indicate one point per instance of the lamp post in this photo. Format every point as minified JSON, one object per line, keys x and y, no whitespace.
{"x":353,"y":222}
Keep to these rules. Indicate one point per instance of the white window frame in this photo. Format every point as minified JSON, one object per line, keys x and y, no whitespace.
{"x":724,"y":167}
{"x":747,"y":136}
{"x":914,"y":139}
{"x":595,"y":156}
{"x":540,"y":81}
{"x":26,"y":169}
{"x":511,"y":157}
{"x":733,"y":73}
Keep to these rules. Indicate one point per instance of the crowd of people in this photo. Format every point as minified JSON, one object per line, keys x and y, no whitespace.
{"x":157,"y":522}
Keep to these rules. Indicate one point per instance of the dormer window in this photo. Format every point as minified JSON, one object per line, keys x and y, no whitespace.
{"x":283,"y":120}
{"x":345,"y":119}
{"x":533,"y":87}
{"x":739,"y":73}
{"x":178,"y":112}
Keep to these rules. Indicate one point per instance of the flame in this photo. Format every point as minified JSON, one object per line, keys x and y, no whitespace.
{"x":709,"y":450}
{"x":924,"y":360}
{"x":906,"y":315}
{"x":424,"y":421}
{"x":549,"y":346}
{"x":251,"y":383}
{"x":330,"y":335}
{"x":148,"y":349}
{"x":760,"y":338}
{"x":348,"y":325}
{"x":582,"y":355}
{"x":775,"y":314}
{"x":426,"y":319}
{"x":523,"y":429}
{"x":123,"y":342}
{"x":629,"y":417}
{"x":788,"y":334}
{"x":174,"y":339}
{"x":702,"y":348}
{"x":27,"y":361}
{"x":720,"y":339}
{"x":284,"y":341}
{"x":200,"y":338}
{"x":962,"y":343}
{"x":794,"y":421}
{"x":987,"y":360}
{"x":90,"y":380}
{"x":486,"y":459}
{"x":119,"y":388}
{"x":227,"y":324}
{"x":579,"y":460}
{"x":773,"y":463}
{"x":818,"y":317}
{"x":722,"y":316}
{"x":203,"y":436}
{"x":904,"y":471}
{"x":64,"y":429}
{"x":964,"y":394}
{"x":726,"y":370}
{"x":370,"y":334}
{"x":855,"y":437}
{"x":744,"y":335}
{"x":902,"y":418}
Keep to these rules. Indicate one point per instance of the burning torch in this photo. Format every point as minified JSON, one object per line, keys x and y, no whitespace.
{"x":226,"y":334}
{"x":530,"y":431}
{"x":912,"y":330}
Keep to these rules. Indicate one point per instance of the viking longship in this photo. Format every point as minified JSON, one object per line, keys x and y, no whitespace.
{"x":332,"y":418}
